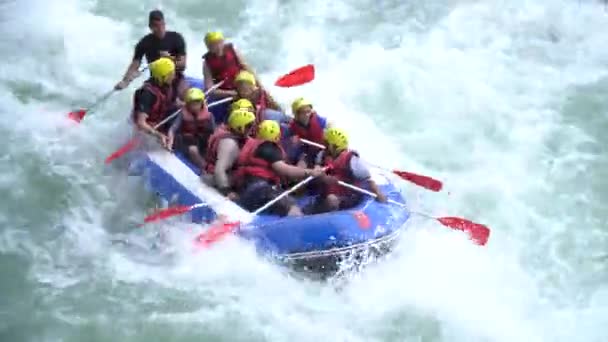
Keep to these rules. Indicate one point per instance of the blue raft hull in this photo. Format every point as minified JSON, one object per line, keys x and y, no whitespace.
{"x":303,"y":240}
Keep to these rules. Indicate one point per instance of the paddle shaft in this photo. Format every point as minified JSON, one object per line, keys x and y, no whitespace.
{"x":369,"y":193}
{"x":212,"y":104}
{"x":283,"y":195}
{"x":312,"y":143}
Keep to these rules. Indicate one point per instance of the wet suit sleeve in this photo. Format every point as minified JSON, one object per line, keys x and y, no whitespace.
{"x":269,"y":152}
{"x":359,"y":169}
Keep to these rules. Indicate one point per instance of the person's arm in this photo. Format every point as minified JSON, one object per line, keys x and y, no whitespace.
{"x":227,"y":154}
{"x":145,"y":102}
{"x":272,"y":154}
{"x":295,"y":172}
{"x":175,"y":126}
{"x":133,"y":69}
{"x":361,"y":172}
{"x":245,"y":66}
{"x":271,"y":103}
{"x":222,"y":93}
{"x":180,"y":52}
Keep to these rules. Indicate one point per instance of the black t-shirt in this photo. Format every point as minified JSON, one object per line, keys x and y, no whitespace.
{"x":145,"y":100}
{"x":151,"y":46}
{"x":269,"y":152}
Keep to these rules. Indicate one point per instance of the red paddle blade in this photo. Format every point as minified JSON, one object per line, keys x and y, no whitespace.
{"x":423,"y":181}
{"x":478,"y":232}
{"x":124,"y":149}
{"x":77,"y":115}
{"x":215,"y":233}
{"x":297,"y":77}
{"x":166,"y":213}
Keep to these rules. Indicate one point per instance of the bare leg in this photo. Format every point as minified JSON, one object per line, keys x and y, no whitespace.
{"x":294,"y":210}
{"x":332,"y":202}
{"x":195,"y":156}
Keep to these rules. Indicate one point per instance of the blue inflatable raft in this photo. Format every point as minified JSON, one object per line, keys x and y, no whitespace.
{"x":314,"y":242}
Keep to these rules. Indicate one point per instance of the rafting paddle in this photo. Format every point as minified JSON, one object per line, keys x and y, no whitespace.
{"x":477,"y":232}
{"x":423,"y":181}
{"x":217,"y":232}
{"x":297,"y":77}
{"x":78,"y":115}
{"x":134,"y":142}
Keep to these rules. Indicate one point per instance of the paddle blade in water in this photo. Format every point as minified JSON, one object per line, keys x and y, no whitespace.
{"x":123,"y":150}
{"x":77,"y":115}
{"x":297,"y":77}
{"x":478,"y":232}
{"x":215,"y":233}
{"x":166,"y":213}
{"x":423,"y":181}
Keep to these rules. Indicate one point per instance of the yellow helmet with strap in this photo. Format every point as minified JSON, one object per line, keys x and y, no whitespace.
{"x":336,"y":139}
{"x":245,"y":76}
{"x":213,"y":37}
{"x":298,"y":104}
{"x":241,"y":104}
{"x":194,"y":95}
{"x":161,"y":69}
{"x":239,"y":120}
{"x":269,"y":130}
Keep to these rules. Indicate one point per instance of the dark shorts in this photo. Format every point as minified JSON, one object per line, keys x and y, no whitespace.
{"x":319,"y":206}
{"x":259,"y":192}
{"x":183,"y":143}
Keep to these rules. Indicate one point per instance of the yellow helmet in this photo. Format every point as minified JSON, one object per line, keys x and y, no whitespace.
{"x":241,"y":104}
{"x":269,"y":130}
{"x":194,"y":94}
{"x":238,"y":120}
{"x":245,"y":76}
{"x":161,"y":69}
{"x":336,"y":139}
{"x":213,"y":37}
{"x":299,"y":103}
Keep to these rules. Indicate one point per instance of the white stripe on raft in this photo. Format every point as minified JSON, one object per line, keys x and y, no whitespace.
{"x":191,"y":182}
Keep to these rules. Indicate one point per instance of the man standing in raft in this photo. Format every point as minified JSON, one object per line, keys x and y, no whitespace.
{"x":154,"y":100}
{"x":345,"y":166}
{"x":221,"y":63}
{"x":192,"y":128}
{"x":159,"y":43}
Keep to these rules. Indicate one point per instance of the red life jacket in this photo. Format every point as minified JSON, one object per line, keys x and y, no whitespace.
{"x":164,"y":101}
{"x":250,"y":165}
{"x":314,"y":131}
{"x":224,"y":67}
{"x":340,"y":168}
{"x":194,"y":126}
{"x":222,"y":132}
